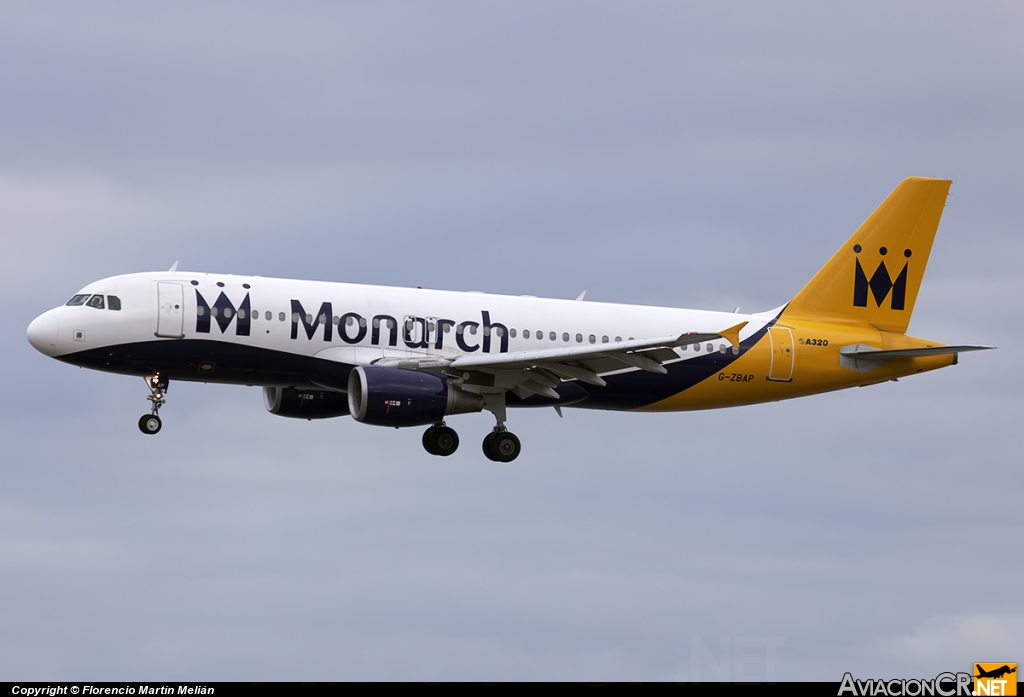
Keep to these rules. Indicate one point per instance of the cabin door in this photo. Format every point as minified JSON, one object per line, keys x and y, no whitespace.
{"x":170,"y":318}
{"x":782,"y":354}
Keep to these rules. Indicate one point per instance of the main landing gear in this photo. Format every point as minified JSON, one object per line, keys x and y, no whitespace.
{"x":500,"y":445}
{"x":150,"y":424}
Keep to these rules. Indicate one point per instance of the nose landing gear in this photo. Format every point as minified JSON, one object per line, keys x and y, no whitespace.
{"x":150,"y":424}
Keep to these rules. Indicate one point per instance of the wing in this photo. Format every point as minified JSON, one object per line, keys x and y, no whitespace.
{"x":536,"y":372}
{"x":540,"y":371}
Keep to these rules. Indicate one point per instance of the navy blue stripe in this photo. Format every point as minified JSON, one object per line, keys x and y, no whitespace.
{"x":640,"y":388}
{"x":204,"y":360}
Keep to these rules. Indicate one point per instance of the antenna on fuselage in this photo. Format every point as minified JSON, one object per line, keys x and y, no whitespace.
{"x":580,"y":296}
{"x":174,"y":267}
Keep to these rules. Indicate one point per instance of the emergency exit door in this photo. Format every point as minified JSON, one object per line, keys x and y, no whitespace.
{"x":170,"y":318}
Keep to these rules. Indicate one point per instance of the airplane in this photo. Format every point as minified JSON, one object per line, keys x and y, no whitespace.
{"x":995,"y":673}
{"x":407,"y":357}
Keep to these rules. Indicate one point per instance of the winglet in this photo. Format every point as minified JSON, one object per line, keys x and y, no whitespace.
{"x":732,"y":334}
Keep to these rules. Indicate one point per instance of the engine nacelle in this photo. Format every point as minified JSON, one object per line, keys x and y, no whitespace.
{"x":385,"y":396}
{"x":304,"y":404}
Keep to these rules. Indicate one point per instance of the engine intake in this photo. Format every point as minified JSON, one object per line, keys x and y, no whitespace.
{"x":304,"y":404}
{"x":384,"y":396}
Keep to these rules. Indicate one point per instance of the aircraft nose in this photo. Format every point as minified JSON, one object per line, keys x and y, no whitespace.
{"x":42,"y":333}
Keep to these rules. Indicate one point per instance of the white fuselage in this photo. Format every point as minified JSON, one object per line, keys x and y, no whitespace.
{"x":366,"y":323}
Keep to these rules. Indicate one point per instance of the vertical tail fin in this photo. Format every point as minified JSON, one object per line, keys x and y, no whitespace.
{"x":874,"y":277}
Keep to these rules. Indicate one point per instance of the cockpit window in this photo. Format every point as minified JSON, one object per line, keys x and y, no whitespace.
{"x":78,"y":300}
{"x":113,"y":302}
{"x":96,"y":301}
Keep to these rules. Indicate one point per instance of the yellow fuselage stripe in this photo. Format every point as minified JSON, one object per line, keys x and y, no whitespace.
{"x":766,"y":372}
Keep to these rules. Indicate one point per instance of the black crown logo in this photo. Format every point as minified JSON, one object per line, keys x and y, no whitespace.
{"x":880,"y":284}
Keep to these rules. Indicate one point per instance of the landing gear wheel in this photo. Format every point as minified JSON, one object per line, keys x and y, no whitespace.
{"x":440,"y":440}
{"x":487,"y":447}
{"x":428,"y":440}
{"x":446,"y":441}
{"x":502,"y":446}
{"x":150,"y":424}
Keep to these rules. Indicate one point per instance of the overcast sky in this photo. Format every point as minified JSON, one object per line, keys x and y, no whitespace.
{"x":694,"y":155}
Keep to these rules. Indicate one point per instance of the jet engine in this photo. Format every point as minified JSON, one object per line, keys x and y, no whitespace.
{"x":304,"y":404}
{"x":384,"y":396}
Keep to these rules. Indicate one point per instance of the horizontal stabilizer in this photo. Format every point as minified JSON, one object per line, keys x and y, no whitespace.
{"x":861,"y":357}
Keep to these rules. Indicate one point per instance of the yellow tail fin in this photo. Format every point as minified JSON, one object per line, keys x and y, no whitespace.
{"x":874,"y":278}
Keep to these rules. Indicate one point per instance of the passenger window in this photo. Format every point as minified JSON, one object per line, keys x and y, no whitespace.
{"x":113,"y":302}
{"x":526,"y":333}
{"x":96,"y":301}
{"x":579,"y":338}
{"x":280,"y":317}
{"x":512,"y":333}
{"x":565,"y":336}
{"x":77,"y":300}
{"x":268,"y":316}
{"x":552,"y":336}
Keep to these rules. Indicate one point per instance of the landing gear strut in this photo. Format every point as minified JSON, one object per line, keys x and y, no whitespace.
{"x":440,"y":440}
{"x":500,"y":445}
{"x":150,"y":424}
